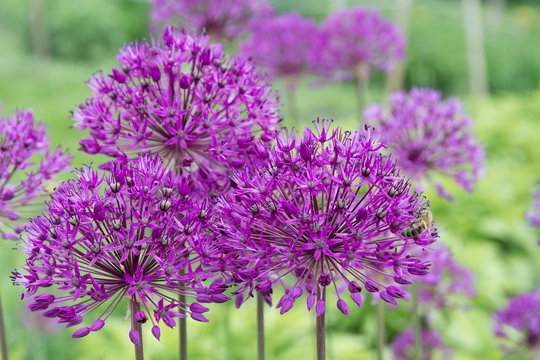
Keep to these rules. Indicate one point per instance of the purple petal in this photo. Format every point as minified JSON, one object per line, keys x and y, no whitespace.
{"x":342,"y":306}
{"x":134,"y":336}
{"x":320,"y":307}
{"x":82,"y":332}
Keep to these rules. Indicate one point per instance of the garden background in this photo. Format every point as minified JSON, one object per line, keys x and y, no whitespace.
{"x":486,"y":230}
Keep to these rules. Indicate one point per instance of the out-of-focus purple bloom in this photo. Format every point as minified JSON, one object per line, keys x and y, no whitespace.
{"x":132,"y":233}
{"x":327,"y":208}
{"x":357,"y":39}
{"x":522,"y":314}
{"x":534,"y":216}
{"x":432,"y":345}
{"x":283,"y":45}
{"x":223,"y":20}
{"x":23,"y":183}
{"x":186,"y":100}
{"x":445,"y":280}
{"x":428,"y":134}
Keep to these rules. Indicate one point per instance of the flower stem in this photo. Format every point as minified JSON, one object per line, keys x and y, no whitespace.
{"x":3,"y":333}
{"x":416,"y":323}
{"x":182,"y":330}
{"x":139,"y":354}
{"x":380,"y":330}
{"x":260,"y":327}
{"x":290,"y":94}
{"x":321,"y":348}
{"x":361,"y":74}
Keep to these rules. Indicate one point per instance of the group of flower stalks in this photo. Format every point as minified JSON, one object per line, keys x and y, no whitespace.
{"x":205,"y":199}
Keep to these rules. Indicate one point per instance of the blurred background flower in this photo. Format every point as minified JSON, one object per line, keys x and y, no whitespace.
{"x":50,"y":48}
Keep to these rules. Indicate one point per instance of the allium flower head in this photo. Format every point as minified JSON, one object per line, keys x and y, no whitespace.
{"x":430,"y":135}
{"x":133,"y":234}
{"x":353,"y":38}
{"x":181,"y":98}
{"x":282,"y":44}
{"x":522,"y":314}
{"x":223,"y":20}
{"x":432,"y":346}
{"x":22,"y":183}
{"x":326,"y":208}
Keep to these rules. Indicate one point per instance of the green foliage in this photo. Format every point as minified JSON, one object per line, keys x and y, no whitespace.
{"x":486,"y":230}
{"x":81,"y":30}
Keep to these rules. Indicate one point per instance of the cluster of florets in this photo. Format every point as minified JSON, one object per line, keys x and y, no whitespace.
{"x":357,"y":38}
{"x":223,"y":20}
{"x":23,"y":185}
{"x":428,"y":134}
{"x":445,"y":279}
{"x":430,"y":340}
{"x":522,"y":314}
{"x":328,"y":209}
{"x":283,"y":45}
{"x":186,"y":100}
{"x":131,"y":233}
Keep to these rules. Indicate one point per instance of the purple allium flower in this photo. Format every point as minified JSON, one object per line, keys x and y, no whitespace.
{"x":428,"y":134}
{"x":522,"y":314}
{"x":328,"y":208}
{"x":223,"y":20}
{"x":283,"y":45}
{"x":23,"y":185}
{"x":432,"y":345}
{"x":132,"y":233}
{"x":186,"y":100}
{"x":357,"y":39}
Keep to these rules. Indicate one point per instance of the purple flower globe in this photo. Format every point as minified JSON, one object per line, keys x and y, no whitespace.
{"x":522,"y":314}
{"x":326,"y":209}
{"x":283,"y":45}
{"x":23,"y":183}
{"x":430,"y":340}
{"x":223,"y":20}
{"x":429,"y":135}
{"x":132,"y":233}
{"x":186,"y":100}
{"x":359,"y":40}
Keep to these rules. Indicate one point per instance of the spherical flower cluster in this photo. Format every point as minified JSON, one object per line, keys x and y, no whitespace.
{"x":283,"y":45}
{"x":23,"y":185}
{"x":522,"y":314}
{"x":223,"y":20}
{"x":131,"y":233}
{"x":327,"y":209}
{"x":359,"y":39}
{"x":428,"y":134}
{"x":446,"y":279}
{"x":432,"y":346}
{"x":179,"y":97}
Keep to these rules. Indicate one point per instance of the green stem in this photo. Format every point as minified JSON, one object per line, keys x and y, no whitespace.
{"x":290,"y":94}
{"x":321,"y":348}
{"x":260,"y":327}
{"x":182,"y":330}
{"x":361,"y":74}
{"x":3,"y":333}
{"x":380,"y":330}
{"x":139,"y":354}
{"x":416,"y":323}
